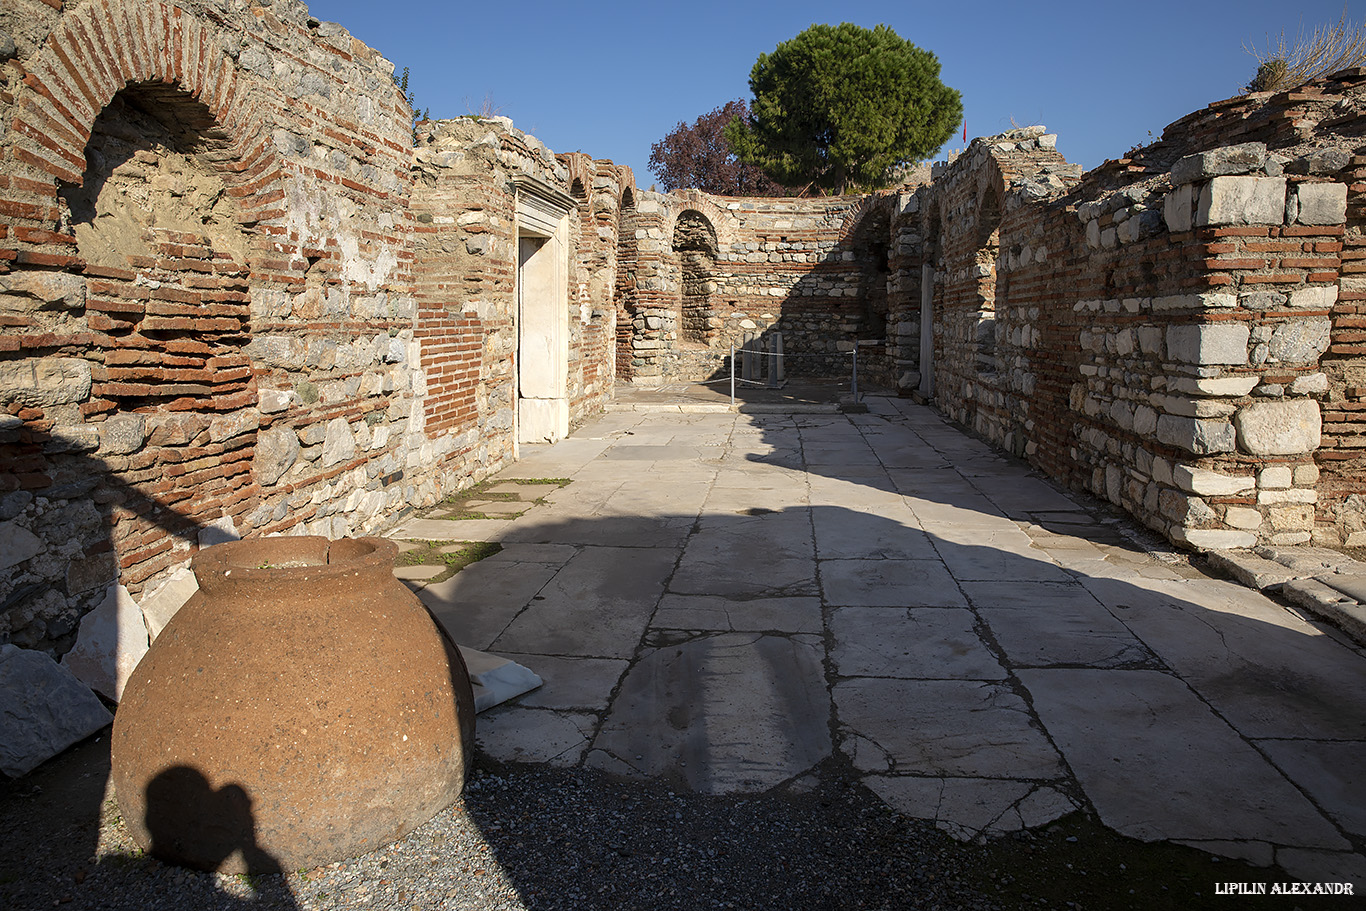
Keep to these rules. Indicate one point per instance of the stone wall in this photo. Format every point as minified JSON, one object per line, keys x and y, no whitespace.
{"x":235,"y":300}
{"x":701,"y":273}
{"x":1174,"y":332}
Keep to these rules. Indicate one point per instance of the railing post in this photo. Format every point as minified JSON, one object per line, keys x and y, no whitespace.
{"x":853,"y":383}
{"x":732,"y":374}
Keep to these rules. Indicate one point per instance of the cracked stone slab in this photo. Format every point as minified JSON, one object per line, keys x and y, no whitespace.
{"x":1019,"y":495}
{"x":735,"y":712}
{"x":1323,"y":866}
{"x":476,"y":604}
{"x":597,"y":605}
{"x":947,"y":728}
{"x":888,"y":534}
{"x":968,"y":807}
{"x":1044,"y":623}
{"x":605,"y":530}
{"x":516,"y":734}
{"x":974,"y":555}
{"x":713,"y":613}
{"x":1330,"y":772}
{"x":573,"y":684}
{"x":1158,"y":765}
{"x":1268,"y":672}
{"x":1250,"y":569}
{"x":770,"y":554}
{"x":924,"y":643}
{"x":889,"y":583}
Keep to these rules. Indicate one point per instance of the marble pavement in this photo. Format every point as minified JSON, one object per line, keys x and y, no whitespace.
{"x":740,"y":602}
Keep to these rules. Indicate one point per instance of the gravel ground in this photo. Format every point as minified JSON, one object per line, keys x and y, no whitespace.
{"x":535,"y":838}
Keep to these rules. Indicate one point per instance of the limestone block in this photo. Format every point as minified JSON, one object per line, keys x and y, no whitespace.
{"x":1211,"y":483}
{"x":1291,"y":518}
{"x":1213,"y":538}
{"x":1196,"y":435}
{"x":1279,"y":428}
{"x":1162,"y":470}
{"x":17,"y":544}
{"x":225,"y":427}
{"x":1321,"y":203}
{"x":1145,"y":420}
{"x":276,"y":450}
{"x":26,"y":292}
{"x":1300,"y":341}
{"x":111,"y":642}
{"x":1184,"y":509}
{"x":1307,"y":475}
{"x":1177,"y":208}
{"x":1208,"y":343}
{"x":41,"y":382}
{"x":1275,"y":477}
{"x":1223,"y":386}
{"x":1243,"y":517}
{"x":175,"y":428}
{"x":1194,"y":407}
{"x":1289,"y":495}
{"x":1237,"y":159}
{"x":46,"y":710}
{"x":1242,"y":201}
{"x":1312,"y":384}
{"x":339,"y":443}
{"x":158,"y":609}
{"x":1315,"y":297}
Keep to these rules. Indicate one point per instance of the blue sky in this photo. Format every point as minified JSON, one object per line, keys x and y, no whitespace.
{"x":610,"y":78}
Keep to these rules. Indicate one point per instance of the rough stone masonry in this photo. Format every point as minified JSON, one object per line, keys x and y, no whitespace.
{"x":238,"y":299}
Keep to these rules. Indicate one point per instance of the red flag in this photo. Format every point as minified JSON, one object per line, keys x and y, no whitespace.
{"x":965,"y":131}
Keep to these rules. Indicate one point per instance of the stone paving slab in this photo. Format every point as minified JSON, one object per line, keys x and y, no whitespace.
{"x":923,"y":643}
{"x":1039,"y":624}
{"x":1005,"y":553}
{"x":478,"y":603}
{"x":517,"y":734}
{"x":573,"y":684}
{"x":1330,"y":772}
{"x":597,"y":606}
{"x":726,"y":713}
{"x":889,"y":583}
{"x":970,"y":807}
{"x":709,"y":613}
{"x":891,"y":533}
{"x":453,"y":529}
{"x":704,"y":605}
{"x":1266,"y":670}
{"x":956,"y":728}
{"x":1158,"y":764}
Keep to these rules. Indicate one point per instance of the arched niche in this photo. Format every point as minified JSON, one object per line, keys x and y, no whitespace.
{"x":162,"y":239}
{"x":694,"y":242}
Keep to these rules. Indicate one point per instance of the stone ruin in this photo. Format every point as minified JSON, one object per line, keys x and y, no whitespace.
{"x":238,"y":300}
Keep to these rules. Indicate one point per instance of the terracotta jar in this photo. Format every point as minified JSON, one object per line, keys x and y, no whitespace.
{"x":302,"y":707}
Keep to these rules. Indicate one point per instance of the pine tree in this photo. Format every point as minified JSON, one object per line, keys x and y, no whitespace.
{"x":843,"y":107}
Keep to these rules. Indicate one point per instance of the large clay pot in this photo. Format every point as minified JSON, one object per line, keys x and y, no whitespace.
{"x":301,"y":708}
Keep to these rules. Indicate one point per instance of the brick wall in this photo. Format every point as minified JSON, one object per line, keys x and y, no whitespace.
{"x":1174,"y":332}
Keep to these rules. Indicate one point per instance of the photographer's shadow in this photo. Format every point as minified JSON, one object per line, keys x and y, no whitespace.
{"x":193,"y":825}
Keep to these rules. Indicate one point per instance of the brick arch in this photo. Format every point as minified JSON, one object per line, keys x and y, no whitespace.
{"x":171,"y":374}
{"x":98,"y":50}
{"x":626,"y":179}
{"x":722,"y":223}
